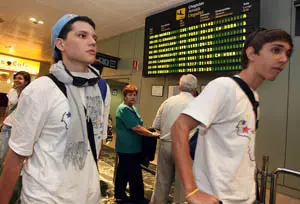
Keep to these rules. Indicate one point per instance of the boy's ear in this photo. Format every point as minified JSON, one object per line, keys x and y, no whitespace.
{"x":250,"y":53}
{"x":59,"y":43}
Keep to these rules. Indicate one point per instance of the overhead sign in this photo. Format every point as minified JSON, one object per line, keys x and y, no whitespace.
{"x":199,"y":36}
{"x":15,"y":64}
{"x":107,"y":60}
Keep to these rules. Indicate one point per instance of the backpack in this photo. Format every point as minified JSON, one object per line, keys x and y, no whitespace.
{"x":103,"y":89}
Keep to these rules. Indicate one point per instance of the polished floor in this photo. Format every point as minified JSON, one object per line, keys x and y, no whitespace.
{"x":106,"y":168}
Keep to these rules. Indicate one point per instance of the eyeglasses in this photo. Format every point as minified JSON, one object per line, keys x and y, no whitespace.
{"x":80,"y":81}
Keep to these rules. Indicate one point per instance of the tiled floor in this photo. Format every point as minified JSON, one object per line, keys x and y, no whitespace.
{"x":106,"y":167}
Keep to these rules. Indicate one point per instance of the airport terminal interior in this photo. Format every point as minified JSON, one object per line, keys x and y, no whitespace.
{"x":150,"y":44}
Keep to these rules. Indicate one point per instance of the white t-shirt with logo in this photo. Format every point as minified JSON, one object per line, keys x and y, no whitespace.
{"x":39,"y":132}
{"x":224,"y":162}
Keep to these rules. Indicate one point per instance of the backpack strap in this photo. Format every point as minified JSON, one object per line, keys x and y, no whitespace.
{"x":103,"y":88}
{"x":59,"y":84}
{"x":244,"y":86}
{"x":91,"y":138}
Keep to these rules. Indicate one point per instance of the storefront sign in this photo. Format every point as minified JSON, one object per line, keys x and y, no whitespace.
{"x":15,"y":64}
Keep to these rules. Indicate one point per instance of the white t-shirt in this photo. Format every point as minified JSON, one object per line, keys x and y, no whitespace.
{"x":39,"y":132}
{"x":12,"y":96}
{"x":168,"y":112}
{"x":224,"y":162}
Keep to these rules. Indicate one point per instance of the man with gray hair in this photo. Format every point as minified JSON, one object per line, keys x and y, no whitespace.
{"x":166,"y":115}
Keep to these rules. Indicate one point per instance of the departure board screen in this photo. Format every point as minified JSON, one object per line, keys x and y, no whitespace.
{"x":199,"y":36}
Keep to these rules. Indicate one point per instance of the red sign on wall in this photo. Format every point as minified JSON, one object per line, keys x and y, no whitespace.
{"x":135,"y":65}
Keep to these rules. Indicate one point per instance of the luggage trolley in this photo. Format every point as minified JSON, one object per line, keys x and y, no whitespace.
{"x":273,"y":178}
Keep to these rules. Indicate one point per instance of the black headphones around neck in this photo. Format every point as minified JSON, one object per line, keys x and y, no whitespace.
{"x":80,"y":81}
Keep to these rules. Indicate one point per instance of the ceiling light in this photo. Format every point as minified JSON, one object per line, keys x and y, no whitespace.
{"x":35,"y":21}
{"x":32,"y":19}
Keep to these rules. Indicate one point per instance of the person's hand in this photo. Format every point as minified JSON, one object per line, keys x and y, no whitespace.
{"x":155,"y":134}
{"x":202,"y":198}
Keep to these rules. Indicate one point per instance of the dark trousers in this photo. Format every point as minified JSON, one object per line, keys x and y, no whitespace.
{"x":129,"y":170}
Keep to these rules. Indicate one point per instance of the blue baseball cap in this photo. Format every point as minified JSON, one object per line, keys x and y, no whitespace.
{"x":57,"y":29}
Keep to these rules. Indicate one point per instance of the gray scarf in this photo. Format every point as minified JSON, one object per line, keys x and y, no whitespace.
{"x":77,"y":143}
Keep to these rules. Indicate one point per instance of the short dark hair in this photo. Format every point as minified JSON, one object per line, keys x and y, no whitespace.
{"x":261,"y":36}
{"x":67,"y":28}
{"x":25,"y":75}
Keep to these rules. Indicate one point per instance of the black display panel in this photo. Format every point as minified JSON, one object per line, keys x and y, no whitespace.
{"x":200,"y":36}
{"x":107,"y":60}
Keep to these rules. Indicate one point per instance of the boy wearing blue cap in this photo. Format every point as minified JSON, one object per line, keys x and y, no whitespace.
{"x":57,"y":131}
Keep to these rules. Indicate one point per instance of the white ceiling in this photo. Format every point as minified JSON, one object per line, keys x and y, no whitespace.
{"x":20,"y":37}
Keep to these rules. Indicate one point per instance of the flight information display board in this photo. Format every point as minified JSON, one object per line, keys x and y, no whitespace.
{"x":200,"y":36}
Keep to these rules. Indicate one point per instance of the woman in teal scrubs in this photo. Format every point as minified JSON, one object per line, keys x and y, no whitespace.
{"x":129,"y":129}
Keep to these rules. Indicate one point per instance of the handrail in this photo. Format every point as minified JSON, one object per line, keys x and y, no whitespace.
{"x":287,"y":171}
{"x":274,"y":177}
